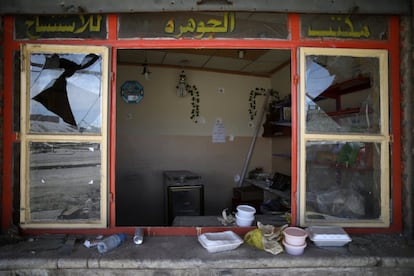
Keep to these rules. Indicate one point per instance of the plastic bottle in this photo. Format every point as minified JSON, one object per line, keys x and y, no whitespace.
{"x":111,"y":242}
{"x":139,"y":236}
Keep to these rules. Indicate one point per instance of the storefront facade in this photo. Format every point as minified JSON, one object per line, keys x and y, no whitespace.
{"x":358,"y":142}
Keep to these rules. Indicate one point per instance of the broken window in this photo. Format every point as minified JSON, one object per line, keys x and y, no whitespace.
{"x":344,"y":144}
{"x":63,"y":136}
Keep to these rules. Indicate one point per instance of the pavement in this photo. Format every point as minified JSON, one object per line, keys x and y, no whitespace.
{"x":367,"y":254}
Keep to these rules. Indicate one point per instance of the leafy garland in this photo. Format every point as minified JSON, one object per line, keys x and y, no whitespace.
{"x":252,"y":99}
{"x":195,"y":102}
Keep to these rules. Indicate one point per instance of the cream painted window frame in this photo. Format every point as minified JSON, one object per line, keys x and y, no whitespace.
{"x":26,"y":137}
{"x":383,"y":138}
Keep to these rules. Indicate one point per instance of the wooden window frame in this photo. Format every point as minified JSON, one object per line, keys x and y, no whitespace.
{"x":27,"y":136}
{"x":382,"y":138}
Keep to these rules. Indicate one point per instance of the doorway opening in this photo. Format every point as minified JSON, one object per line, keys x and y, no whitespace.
{"x":206,"y":130}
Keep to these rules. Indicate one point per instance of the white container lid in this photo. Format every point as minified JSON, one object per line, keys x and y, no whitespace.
{"x":328,"y":235}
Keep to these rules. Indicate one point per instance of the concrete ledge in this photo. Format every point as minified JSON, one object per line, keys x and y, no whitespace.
{"x":177,"y":255}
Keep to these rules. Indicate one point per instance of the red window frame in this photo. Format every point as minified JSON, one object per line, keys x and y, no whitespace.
{"x":293,"y":43}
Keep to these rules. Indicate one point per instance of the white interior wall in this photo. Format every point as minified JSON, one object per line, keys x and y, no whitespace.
{"x":162,"y":112}
{"x":281,"y":82}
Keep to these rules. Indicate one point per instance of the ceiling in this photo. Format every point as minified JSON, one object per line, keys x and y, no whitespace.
{"x":256,"y":62}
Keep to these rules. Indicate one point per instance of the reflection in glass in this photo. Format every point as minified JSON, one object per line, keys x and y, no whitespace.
{"x":351,"y":181}
{"x":65,"y":93}
{"x":342,"y":94}
{"x":65,"y":181}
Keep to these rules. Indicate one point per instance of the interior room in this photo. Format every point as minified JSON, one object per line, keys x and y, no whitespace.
{"x":205,"y":113}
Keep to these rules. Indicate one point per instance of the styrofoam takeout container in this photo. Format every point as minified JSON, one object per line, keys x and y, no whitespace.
{"x":220,"y":241}
{"x":328,"y":235}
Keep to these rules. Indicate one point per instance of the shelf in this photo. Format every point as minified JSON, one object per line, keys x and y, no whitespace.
{"x":262,"y":184}
{"x":277,"y":128}
{"x":344,"y":112}
{"x":282,"y":155}
{"x":324,"y":165}
{"x":349,"y":86}
{"x":335,"y":91}
{"x":282,"y":123}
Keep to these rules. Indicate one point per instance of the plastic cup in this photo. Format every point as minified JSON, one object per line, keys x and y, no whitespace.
{"x":241,"y":221}
{"x":246,"y":211}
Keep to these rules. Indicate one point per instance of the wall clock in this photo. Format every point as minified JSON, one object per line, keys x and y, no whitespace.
{"x":132,"y":92}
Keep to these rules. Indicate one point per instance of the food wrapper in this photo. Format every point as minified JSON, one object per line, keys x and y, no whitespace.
{"x":227,"y":218}
{"x":266,"y":237}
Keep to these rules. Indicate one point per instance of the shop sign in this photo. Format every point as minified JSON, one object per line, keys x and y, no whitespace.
{"x":344,"y":27}
{"x":203,"y":25}
{"x":60,"y":26}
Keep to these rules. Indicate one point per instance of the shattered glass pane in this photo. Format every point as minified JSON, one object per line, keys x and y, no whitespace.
{"x":65,"y":93}
{"x":342,"y":94}
{"x":351,"y":186}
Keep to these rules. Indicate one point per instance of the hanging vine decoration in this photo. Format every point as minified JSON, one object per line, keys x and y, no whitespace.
{"x":195,"y":102}
{"x":252,"y":99}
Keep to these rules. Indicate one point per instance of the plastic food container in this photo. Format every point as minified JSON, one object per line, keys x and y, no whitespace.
{"x":245,"y":211}
{"x":294,"y":249}
{"x":295,"y":236}
{"x":328,"y":235}
{"x":241,"y":221}
{"x":220,"y":241}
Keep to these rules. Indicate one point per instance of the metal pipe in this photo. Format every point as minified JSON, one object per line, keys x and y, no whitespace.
{"x":252,"y":144}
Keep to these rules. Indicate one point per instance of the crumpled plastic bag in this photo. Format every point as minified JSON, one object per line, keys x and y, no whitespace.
{"x":266,"y":237}
{"x":227,"y":218}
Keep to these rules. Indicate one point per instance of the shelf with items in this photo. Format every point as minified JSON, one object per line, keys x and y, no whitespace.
{"x":332,"y":112}
{"x":278,"y":119}
{"x":265,"y":186}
